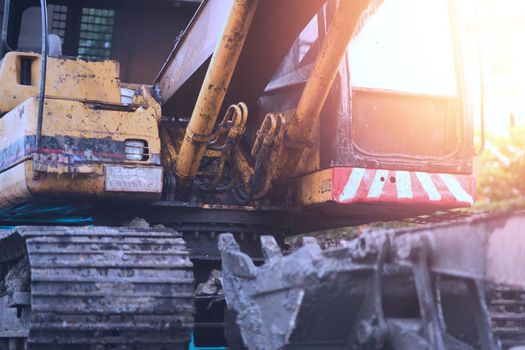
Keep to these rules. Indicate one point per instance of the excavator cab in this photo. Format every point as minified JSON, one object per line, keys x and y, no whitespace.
{"x":395,"y":136}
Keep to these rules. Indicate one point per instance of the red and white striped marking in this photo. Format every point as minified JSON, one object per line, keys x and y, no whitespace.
{"x":358,"y":185}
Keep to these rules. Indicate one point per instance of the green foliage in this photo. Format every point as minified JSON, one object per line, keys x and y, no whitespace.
{"x":501,"y":168}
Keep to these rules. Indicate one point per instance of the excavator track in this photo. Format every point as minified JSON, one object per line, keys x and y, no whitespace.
{"x":101,"y":288}
{"x":507,"y":310}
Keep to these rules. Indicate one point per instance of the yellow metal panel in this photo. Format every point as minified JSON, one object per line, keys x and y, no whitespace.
{"x":18,"y":123}
{"x":310,"y":159}
{"x":66,"y":78}
{"x":13,"y":186}
{"x":314,"y":188}
{"x":79,"y":119}
{"x":78,"y":185}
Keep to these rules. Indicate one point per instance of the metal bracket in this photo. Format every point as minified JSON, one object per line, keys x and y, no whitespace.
{"x":429,"y":314}
{"x":14,"y":323}
{"x":233,"y":126}
{"x":371,"y":331}
{"x":433,"y":324}
{"x":480,"y":313}
{"x":265,"y":150}
{"x":195,"y":138}
{"x":19,"y":300}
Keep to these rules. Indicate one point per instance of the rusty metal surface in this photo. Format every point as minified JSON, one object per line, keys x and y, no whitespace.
{"x":108,"y":288}
{"x":79,"y":138}
{"x":66,"y":78}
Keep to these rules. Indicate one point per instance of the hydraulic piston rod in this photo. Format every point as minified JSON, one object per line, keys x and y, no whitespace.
{"x":213,"y":90}
{"x":318,"y":86}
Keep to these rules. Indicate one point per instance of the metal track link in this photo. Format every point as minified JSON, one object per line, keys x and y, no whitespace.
{"x":109,"y":288}
{"x":507,"y":309}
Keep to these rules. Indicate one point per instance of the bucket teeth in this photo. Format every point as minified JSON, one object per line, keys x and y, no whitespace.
{"x":228,"y":242}
{"x":310,"y":241}
{"x":282,"y":288}
{"x":239,"y":264}
{"x":270,"y":248}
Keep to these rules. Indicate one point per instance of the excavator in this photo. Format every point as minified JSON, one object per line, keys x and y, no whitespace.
{"x":125,"y":187}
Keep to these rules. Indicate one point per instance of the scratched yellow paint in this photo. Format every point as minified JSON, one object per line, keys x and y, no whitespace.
{"x":82,"y":102}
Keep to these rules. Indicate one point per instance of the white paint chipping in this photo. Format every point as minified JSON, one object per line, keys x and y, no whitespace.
{"x":428,"y":185}
{"x":404,"y":185}
{"x":377,"y":185}
{"x":352,"y":185}
{"x":456,"y":189}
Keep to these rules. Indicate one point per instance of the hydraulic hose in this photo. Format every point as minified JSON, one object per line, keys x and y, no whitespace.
{"x":43,"y":72}
{"x":213,"y":91}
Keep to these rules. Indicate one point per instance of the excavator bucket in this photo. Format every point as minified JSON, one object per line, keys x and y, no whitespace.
{"x":412,"y":289}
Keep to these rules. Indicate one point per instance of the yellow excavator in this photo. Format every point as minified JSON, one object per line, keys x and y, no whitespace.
{"x":121,"y":202}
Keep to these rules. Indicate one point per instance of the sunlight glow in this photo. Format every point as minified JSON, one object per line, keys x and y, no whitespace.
{"x":405,"y":46}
